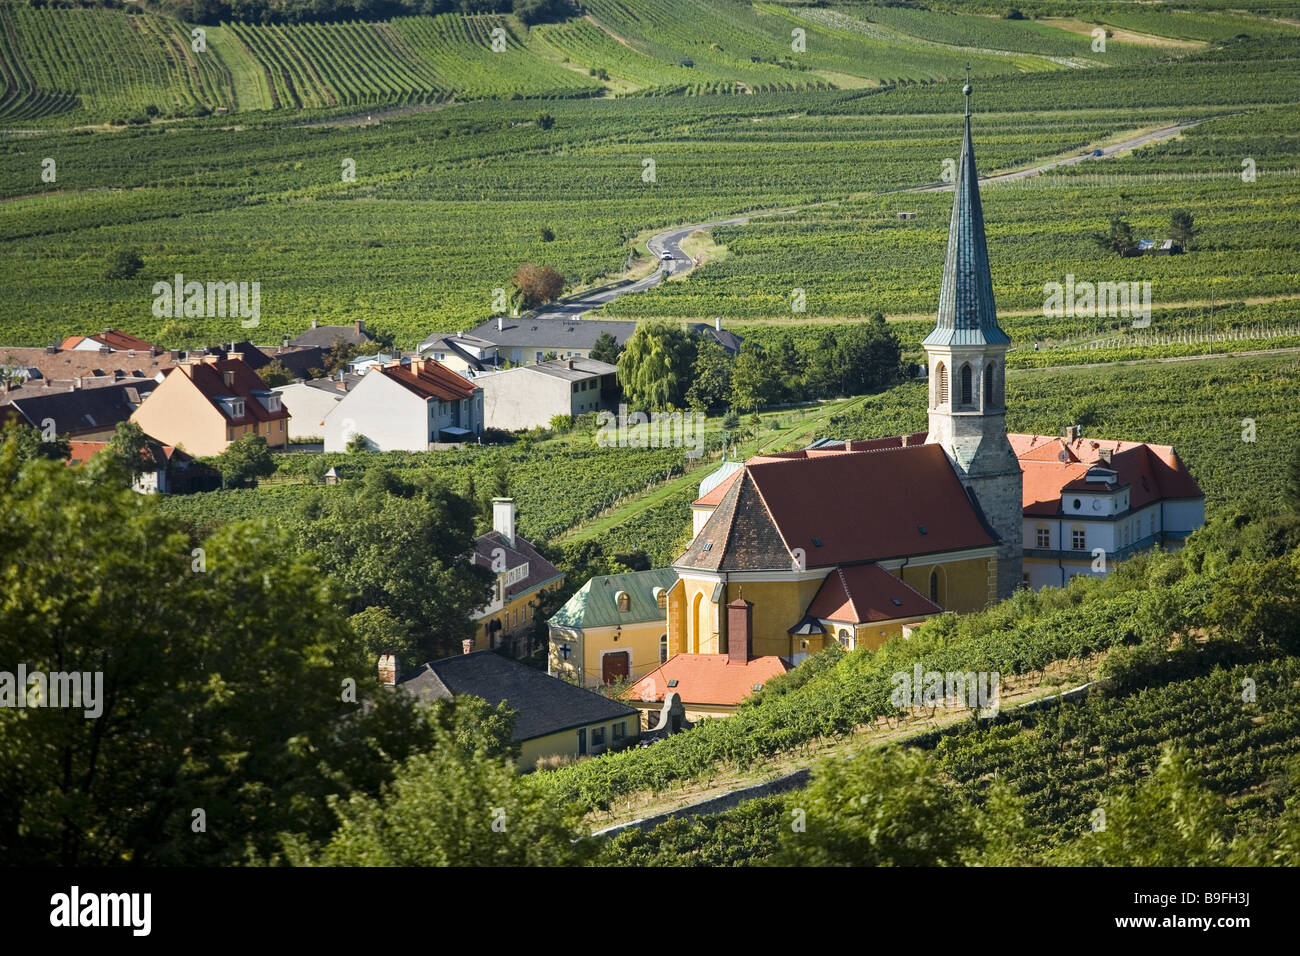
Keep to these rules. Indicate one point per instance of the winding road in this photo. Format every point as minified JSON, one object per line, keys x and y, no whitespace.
{"x":670,"y":240}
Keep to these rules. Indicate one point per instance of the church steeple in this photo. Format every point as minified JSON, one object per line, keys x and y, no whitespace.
{"x":966,"y":353}
{"x":967,"y":314}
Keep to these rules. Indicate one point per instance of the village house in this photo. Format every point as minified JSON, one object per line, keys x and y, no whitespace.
{"x":88,"y":412}
{"x":709,"y":685}
{"x":171,"y":472}
{"x":406,"y":405}
{"x":325,"y":336}
{"x":464,"y":354}
{"x":207,"y":403}
{"x":529,"y":396}
{"x":612,"y":629}
{"x":523,"y":578}
{"x":110,"y":340}
{"x":555,"y":718}
{"x":522,"y":340}
{"x":308,"y":402}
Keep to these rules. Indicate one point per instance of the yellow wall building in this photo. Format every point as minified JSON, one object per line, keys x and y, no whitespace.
{"x":614,"y":628}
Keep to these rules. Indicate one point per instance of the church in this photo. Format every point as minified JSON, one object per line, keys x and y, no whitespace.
{"x":857,"y":542}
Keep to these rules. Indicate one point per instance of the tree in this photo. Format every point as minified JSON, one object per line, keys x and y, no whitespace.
{"x":859,"y":358}
{"x":710,"y":377}
{"x":545,"y":120}
{"x":276,"y":375}
{"x":530,"y":12}
{"x":605,"y":349}
{"x":1169,"y":819}
{"x":537,"y":284}
{"x":123,"y":264}
{"x":1292,"y":492}
{"x":28,"y":444}
{"x":244,"y":461}
{"x":752,"y":381}
{"x":547,"y":234}
{"x":450,"y":808}
{"x":401,"y":546}
{"x":1182,"y":229}
{"x":357,"y":443}
{"x":655,"y":367}
{"x":221,"y":684}
{"x":130,"y":446}
{"x":1118,"y":238}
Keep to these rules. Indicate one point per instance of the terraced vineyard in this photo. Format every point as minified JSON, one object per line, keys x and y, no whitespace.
{"x":142,"y":61}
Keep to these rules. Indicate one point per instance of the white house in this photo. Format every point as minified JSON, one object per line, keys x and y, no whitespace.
{"x":309,"y":403}
{"x":529,"y":396}
{"x":406,"y":405}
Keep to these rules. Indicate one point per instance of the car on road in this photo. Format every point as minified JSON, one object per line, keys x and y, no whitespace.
{"x":1096,"y":152}
{"x":666,"y":256}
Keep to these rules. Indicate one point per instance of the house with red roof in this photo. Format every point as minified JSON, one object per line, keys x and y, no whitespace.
{"x":406,"y":405}
{"x":207,"y":403}
{"x":110,"y":340}
{"x":709,"y":685}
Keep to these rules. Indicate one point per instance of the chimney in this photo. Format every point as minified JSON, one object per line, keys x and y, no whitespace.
{"x":238,"y":356}
{"x":229,"y":378}
{"x":313,"y":323}
{"x":1072,"y":433}
{"x":284,"y":342}
{"x":360,"y":325}
{"x":740,"y":631}
{"x":76,"y":382}
{"x":1104,"y":455}
{"x":717,"y":322}
{"x":417,"y":365}
{"x":388,"y":668}
{"x":569,"y":364}
{"x":500,"y":323}
{"x":906,"y":439}
{"x":209,"y":359}
{"x":503,"y":518}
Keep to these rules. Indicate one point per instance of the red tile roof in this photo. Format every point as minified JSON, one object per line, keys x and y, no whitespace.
{"x":430,"y":380}
{"x":706,"y":679}
{"x":210,"y":379}
{"x":865,"y":593}
{"x":115,"y":340}
{"x":719,"y":491}
{"x":1051,"y":464}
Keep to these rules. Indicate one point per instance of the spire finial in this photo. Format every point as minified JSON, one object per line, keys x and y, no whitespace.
{"x":966,"y":90}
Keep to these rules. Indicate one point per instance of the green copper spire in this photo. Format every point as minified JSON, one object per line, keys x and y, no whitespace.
{"x":967,"y":315}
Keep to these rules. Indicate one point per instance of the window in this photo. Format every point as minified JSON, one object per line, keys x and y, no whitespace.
{"x":1024,"y":580}
{"x":941,"y":384}
{"x":663,"y":648}
{"x":624,"y":602}
{"x":598,"y":736}
{"x":966,"y":385}
{"x":539,"y":356}
{"x":620,"y":730}
{"x":988,"y":385}
{"x":934,"y":586}
{"x":1044,"y":538}
{"x":1079,"y":539}
{"x":845,"y":639}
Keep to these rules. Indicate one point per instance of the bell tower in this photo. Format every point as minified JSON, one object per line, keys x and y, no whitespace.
{"x":967,"y":353}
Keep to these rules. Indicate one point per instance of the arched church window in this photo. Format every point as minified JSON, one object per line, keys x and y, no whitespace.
{"x":934,"y":586}
{"x":941,"y":386}
{"x":966,"y":385}
{"x":988,"y":385}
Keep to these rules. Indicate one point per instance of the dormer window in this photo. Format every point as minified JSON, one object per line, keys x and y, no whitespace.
{"x":232,"y":406}
{"x":623,"y":601}
{"x":269,"y":400}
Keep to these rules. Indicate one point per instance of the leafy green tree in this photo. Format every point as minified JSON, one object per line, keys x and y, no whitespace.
{"x":130,"y":446}
{"x":605,"y":349}
{"x":1169,"y":819}
{"x":711,"y":377}
{"x":752,"y":380}
{"x":1118,"y":238}
{"x":859,"y":358}
{"x":223,"y":684}
{"x":357,"y":444}
{"x":244,"y":461}
{"x":1258,"y":603}
{"x":655,"y":367}
{"x":275,"y":374}
{"x":28,"y":443}
{"x":123,"y":264}
{"x":1182,"y":229}
{"x":402,"y":547}
{"x":450,"y":808}
{"x":883,"y":806}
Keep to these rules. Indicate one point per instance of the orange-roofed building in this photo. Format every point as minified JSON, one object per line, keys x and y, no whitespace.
{"x":109,"y":340}
{"x":406,"y":405}
{"x":205,"y":404}
{"x":710,"y":685}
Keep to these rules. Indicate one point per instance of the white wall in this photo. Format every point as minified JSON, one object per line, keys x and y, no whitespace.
{"x":307,"y":407}
{"x":522,"y":398}
{"x":391,"y":417}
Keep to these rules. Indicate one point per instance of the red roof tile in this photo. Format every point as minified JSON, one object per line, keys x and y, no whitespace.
{"x":865,"y":593}
{"x":430,"y":380}
{"x":714,"y":497}
{"x":706,"y":679}
{"x":232,"y":378}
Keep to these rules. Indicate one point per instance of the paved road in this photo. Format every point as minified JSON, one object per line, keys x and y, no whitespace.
{"x":671,"y":240}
